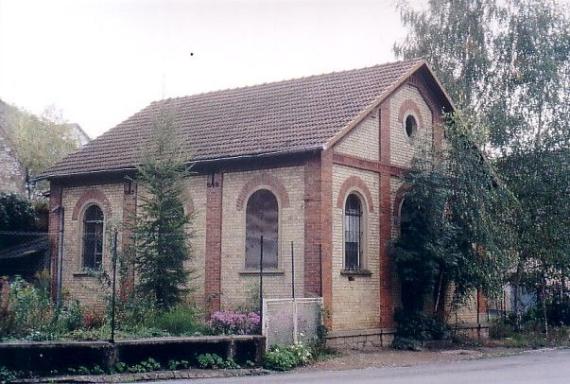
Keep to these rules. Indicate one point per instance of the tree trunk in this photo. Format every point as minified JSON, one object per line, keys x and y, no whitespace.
{"x":517,"y":299}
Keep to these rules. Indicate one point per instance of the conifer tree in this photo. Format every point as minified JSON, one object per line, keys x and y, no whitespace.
{"x":161,"y":229}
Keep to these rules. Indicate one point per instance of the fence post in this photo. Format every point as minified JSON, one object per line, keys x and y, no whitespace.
{"x":261,"y":281}
{"x":114,"y":293}
{"x":292,"y":272}
{"x":295,"y":322}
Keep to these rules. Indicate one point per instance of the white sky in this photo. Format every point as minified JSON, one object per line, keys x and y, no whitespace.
{"x":101,"y":61}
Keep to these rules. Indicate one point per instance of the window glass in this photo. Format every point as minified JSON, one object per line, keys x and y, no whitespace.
{"x":262,"y":219}
{"x":411,"y":126}
{"x":352,"y":233}
{"x":92,"y":238}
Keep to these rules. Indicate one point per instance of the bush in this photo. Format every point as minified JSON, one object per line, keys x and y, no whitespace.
{"x":558,"y":311}
{"x":214,"y":361}
{"x":235,"y":323}
{"x":7,"y":376}
{"x":284,"y":358}
{"x":180,"y":320}
{"x":415,"y":327}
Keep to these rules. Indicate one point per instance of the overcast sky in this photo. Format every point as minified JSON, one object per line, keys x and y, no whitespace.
{"x":100,"y":61}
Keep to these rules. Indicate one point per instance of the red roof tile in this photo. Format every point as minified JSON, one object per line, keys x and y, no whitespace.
{"x":286,"y":116}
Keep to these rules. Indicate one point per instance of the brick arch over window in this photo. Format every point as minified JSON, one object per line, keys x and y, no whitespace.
{"x":354,"y":182}
{"x":92,"y":195}
{"x":264,"y":179}
{"x":410,"y":106}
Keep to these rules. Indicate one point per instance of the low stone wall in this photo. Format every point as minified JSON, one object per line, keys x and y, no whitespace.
{"x":50,"y":357}
{"x":361,"y":338}
{"x":383,"y":337}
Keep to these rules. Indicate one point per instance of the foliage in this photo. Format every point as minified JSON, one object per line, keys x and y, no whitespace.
{"x":29,"y":313}
{"x":16,"y":215}
{"x":414,"y":328}
{"x":507,"y":63}
{"x":540,"y":179}
{"x":214,"y":361}
{"x":7,"y":376}
{"x":148,"y":365}
{"x":284,"y":358}
{"x":455,"y":229}
{"x":235,"y":323}
{"x":40,"y":141}
{"x":180,"y":320}
{"x":161,"y":240}
{"x":174,"y":365}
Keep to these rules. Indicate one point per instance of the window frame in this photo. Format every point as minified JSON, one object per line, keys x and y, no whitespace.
{"x":276,"y":267}
{"x":82,"y":234}
{"x":363,"y":236}
{"x":416,"y":129}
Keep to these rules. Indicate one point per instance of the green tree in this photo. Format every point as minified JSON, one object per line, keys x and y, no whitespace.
{"x":507,"y":63}
{"x":161,"y":230}
{"x":39,"y":141}
{"x":454,"y":230}
{"x":17,"y":219}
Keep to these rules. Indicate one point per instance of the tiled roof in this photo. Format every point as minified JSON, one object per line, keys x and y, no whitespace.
{"x":281,"y":117}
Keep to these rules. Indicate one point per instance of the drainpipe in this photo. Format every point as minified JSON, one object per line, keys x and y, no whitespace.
{"x":58,"y":277}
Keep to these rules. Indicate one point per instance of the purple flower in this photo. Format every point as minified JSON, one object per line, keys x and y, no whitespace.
{"x":235,"y":323}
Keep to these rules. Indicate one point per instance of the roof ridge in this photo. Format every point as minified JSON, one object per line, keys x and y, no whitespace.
{"x":291,"y":80}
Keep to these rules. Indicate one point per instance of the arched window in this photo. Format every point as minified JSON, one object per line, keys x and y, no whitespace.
{"x":92,"y":238}
{"x":411,"y":126}
{"x":262,"y":219}
{"x":352,"y":233}
{"x":406,"y":212}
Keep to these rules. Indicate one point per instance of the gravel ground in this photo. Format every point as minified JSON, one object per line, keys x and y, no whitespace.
{"x":354,"y":359}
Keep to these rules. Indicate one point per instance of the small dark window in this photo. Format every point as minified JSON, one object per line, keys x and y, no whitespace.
{"x":352,"y":233}
{"x":411,"y":126}
{"x":262,"y":219}
{"x":92,"y":238}
{"x":406,"y":213}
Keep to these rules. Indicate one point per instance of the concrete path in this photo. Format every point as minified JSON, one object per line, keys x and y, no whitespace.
{"x":543,"y":366}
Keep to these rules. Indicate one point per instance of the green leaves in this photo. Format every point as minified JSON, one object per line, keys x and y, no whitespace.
{"x":454,"y":229}
{"x":161,"y":239}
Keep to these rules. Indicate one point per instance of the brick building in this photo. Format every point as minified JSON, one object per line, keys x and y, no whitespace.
{"x":317,"y":161}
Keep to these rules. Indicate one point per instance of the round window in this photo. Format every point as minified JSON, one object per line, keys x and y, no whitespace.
{"x":411,"y":126}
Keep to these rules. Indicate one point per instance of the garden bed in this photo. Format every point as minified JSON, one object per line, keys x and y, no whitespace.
{"x":50,"y":358}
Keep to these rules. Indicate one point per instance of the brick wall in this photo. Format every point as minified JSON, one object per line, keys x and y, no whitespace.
{"x":355,"y":303}
{"x":75,"y":199}
{"x":238,"y":286}
{"x":362,"y":141}
{"x":196,"y":207}
{"x":408,"y":100}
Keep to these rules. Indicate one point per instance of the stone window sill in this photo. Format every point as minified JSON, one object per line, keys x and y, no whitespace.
{"x":358,"y":272}
{"x":266,"y":272}
{"x":87,"y":274}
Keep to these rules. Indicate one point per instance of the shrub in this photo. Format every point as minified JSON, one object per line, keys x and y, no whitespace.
{"x":415,"y":327}
{"x":214,"y":361}
{"x":235,"y":323}
{"x":180,"y":320}
{"x":284,"y":358}
{"x":6,"y":375}
{"x":93,"y":319}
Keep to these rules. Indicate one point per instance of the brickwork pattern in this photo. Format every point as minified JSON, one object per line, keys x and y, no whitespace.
{"x":313,"y":228}
{"x":408,"y":100}
{"x":238,"y":285}
{"x":355,"y":303}
{"x":213,"y":255}
{"x":362,"y":140}
{"x":196,"y":198}
{"x":87,"y":288}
